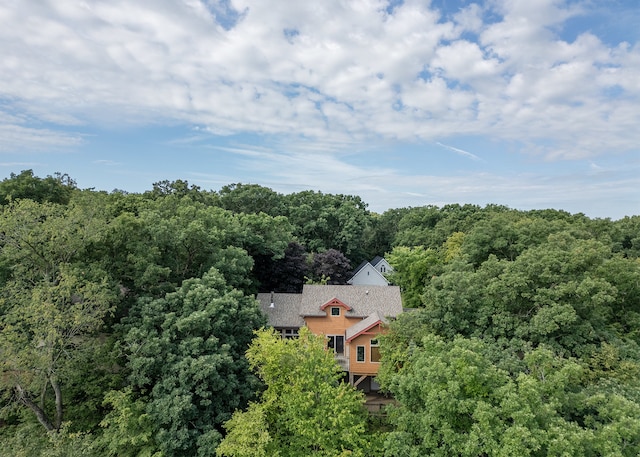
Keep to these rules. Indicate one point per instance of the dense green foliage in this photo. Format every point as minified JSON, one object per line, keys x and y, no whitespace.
{"x":525,"y":337}
{"x":125,"y":320}
{"x":54,"y":189}
{"x":185,"y":356}
{"x":304,"y":410}
{"x":453,"y":400}
{"x":51,"y":302}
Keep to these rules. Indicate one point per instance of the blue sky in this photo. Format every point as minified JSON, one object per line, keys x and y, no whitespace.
{"x":530,"y":104}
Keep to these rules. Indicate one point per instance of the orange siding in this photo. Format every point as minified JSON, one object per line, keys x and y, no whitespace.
{"x":329,"y":325}
{"x":366,"y":367}
{"x":337,"y":325}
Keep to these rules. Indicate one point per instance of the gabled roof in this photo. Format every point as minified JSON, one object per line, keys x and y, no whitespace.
{"x":368,"y":275}
{"x":358,"y":276}
{"x":364,"y":325}
{"x":363,"y":300}
{"x":285,"y":311}
{"x":376,"y":260}
{"x":359,"y":302}
{"x":335,"y":302}
{"x":360,"y":267}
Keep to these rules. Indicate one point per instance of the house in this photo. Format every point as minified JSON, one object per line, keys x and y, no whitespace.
{"x":381,"y":264}
{"x":350,"y":317}
{"x":371,"y":273}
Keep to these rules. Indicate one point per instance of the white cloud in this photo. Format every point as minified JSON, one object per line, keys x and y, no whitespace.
{"x":590,"y":192}
{"x":328,"y":71}
{"x":462,"y":152}
{"x":465,"y":61}
{"x":26,"y":139}
{"x":22,"y":165}
{"x":469,"y":18}
{"x":287,"y":171}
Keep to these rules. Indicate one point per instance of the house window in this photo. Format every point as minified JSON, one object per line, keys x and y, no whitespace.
{"x":375,"y":351}
{"x":335,"y":311}
{"x":336,"y":342}
{"x":359,"y":353}
{"x":290,"y":333}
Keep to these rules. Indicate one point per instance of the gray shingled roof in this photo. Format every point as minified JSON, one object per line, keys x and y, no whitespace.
{"x":286,"y":309}
{"x":364,"y":324}
{"x":360,"y":267}
{"x":376,"y":260}
{"x":364,"y":300}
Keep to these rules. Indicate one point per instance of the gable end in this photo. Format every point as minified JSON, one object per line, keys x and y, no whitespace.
{"x":364,"y":330}
{"x":335,"y":302}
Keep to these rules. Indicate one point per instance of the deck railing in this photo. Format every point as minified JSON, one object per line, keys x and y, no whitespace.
{"x":343,"y":361}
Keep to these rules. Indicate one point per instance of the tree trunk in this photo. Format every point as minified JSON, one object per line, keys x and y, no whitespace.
{"x":43,"y":395}
{"x":40,"y":414}
{"x":58,"y":392}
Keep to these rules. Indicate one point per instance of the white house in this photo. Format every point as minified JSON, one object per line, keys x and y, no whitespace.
{"x":371,"y":273}
{"x":381,"y":264}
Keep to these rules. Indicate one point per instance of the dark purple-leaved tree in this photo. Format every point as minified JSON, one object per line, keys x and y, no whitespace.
{"x":331,"y":264}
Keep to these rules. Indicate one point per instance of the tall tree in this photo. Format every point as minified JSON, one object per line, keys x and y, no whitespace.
{"x":175,"y":238}
{"x":305,"y":409}
{"x":181,"y":189}
{"x":412,"y":269}
{"x":186,"y":358}
{"x":561,"y":293}
{"x":379,"y":238}
{"x":452,"y":400}
{"x":251,"y":198}
{"x":430,"y":226}
{"x":52,"y":301}
{"x":626,"y":236}
{"x":325,"y":221}
{"x":332,"y":266}
{"x":286,"y":274}
{"x":55,"y":189}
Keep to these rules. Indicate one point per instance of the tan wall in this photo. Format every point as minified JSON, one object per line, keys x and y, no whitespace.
{"x":366,"y":367}
{"x":330,"y":325}
{"x":337,"y":325}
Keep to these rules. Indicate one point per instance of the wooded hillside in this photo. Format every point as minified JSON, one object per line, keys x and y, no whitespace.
{"x":125,"y":320}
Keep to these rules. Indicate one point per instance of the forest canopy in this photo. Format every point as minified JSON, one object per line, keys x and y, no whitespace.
{"x":128,"y":325}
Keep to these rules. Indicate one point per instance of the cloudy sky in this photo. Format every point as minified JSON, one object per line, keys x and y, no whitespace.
{"x":530,"y":104}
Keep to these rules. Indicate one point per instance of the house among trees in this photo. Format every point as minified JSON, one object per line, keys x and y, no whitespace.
{"x":371,"y":273}
{"x":350,"y":317}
